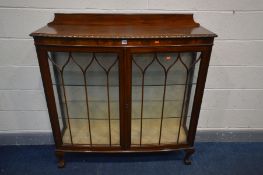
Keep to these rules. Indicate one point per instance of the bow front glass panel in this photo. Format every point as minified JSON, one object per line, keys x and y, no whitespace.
{"x":86,"y":87}
{"x":163,"y":86}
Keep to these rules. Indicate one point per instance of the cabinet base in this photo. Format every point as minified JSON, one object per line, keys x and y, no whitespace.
{"x":187,"y":161}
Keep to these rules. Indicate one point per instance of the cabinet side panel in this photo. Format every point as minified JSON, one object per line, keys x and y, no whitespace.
{"x":199,"y":91}
{"x":47,"y":84}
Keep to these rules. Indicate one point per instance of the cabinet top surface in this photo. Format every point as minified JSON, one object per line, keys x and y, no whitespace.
{"x":123,"y":26}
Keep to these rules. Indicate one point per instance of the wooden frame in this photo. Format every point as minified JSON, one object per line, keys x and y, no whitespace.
{"x":184,"y":35}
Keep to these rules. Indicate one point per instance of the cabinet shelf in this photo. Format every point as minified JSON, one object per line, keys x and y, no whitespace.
{"x":102,"y":85}
{"x":114,"y":118}
{"x":98,"y":109}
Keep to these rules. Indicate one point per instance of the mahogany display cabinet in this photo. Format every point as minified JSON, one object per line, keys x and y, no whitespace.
{"x":123,"y":82}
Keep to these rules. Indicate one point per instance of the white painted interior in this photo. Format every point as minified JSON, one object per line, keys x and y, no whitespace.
{"x":234,"y":91}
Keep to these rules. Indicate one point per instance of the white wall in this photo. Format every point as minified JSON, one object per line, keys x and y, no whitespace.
{"x":234,"y":90}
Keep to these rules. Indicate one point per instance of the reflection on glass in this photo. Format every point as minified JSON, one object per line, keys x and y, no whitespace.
{"x":162,"y":96}
{"x":87,"y":98}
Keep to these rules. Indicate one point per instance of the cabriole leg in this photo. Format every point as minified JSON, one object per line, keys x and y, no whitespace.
{"x":188,"y":153}
{"x":60,"y":157}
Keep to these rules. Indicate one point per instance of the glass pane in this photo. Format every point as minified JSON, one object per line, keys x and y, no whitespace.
{"x":86,"y":87}
{"x":163,"y":86}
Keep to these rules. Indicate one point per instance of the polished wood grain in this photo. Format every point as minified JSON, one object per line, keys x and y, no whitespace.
{"x":123,"y":26}
{"x":81,"y":42}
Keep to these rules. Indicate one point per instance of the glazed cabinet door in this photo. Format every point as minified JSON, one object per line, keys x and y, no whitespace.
{"x":86,"y":86}
{"x":163,"y":84}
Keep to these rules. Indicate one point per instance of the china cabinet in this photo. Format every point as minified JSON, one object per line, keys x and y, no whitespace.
{"x":123,"y":82}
